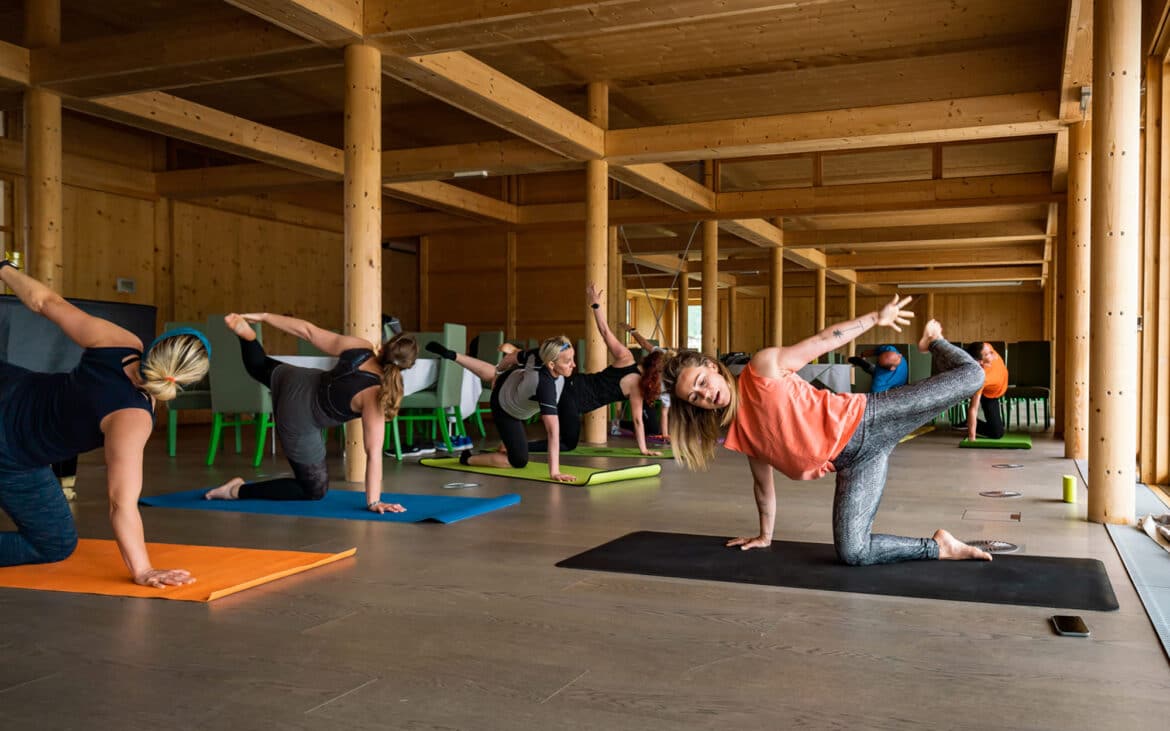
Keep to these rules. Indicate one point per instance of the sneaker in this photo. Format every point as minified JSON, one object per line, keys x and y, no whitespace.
{"x":462,"y":442}
{"x":412,"y":450}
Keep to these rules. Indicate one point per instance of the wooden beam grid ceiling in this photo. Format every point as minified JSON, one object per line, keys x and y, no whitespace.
{"x":425,"y":48}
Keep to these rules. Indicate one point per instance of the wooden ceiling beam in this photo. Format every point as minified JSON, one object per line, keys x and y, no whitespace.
{"x":453,"y":199}
{"x":503,"y":157}
{"x":974,"y":233}
{"x":250,"y":178}
{"x":14,"y":66}
{"x":666,"y":184}
{"x":471,"y":85}
{"x":976,"y":256}
{"x":950,"y":275}
{"x":424,"y":26}
{"x":754,"y":230}
{"x":186,"y":55}
{"x":873,"y":197}
{"x":332,"y":23}
{"x":1076,"y":68}
{"x":170,"y":115}
{"x":950,"y":120}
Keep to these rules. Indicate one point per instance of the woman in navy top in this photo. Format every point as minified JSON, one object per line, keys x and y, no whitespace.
{"x":107,"y":400}
{"x":306,"y":401}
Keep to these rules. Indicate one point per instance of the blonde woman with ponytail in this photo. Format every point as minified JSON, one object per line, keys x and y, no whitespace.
{"x":363,"y":385}
{"x":780,"y":421}
{"x":107,"y":400}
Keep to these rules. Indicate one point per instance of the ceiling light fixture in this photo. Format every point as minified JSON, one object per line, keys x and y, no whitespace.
{"x":959,"y":285}
{"x":471,"y":174}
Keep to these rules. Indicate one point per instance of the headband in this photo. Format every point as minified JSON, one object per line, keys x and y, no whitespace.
{"x":174,"y":332}
{"x":565,"y":346}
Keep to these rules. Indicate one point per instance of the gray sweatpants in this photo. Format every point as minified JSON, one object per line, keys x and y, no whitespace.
{"x":861,"y":466}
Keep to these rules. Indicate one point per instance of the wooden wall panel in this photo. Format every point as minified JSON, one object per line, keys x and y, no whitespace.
{"x":224,"y":261}
{"x":550,"y":284}
{"x":400,"y":287}
{"x":466,"y":281}
{"x":749,"y":323}
{"x":107,"y":236}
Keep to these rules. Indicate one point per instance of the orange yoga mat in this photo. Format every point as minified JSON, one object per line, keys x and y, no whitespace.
{"x":97,"y":568}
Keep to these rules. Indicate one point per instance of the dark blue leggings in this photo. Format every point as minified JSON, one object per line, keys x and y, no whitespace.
{"x":44,"y":526}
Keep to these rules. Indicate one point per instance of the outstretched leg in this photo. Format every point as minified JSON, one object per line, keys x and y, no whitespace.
{"x":256,"y":361}
{"x":481,"y":368}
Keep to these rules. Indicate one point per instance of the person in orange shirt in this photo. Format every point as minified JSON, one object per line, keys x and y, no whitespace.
{"x":995,"y":383}
{"x":777,"y":419}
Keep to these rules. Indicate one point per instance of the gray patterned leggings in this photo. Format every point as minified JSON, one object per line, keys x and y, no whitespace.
{"x":861,"y":466}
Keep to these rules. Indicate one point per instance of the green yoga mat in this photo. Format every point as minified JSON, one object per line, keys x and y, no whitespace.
{"x":616,"y":452}
{"x":539,"y":471}
{"x":1011,"y":440}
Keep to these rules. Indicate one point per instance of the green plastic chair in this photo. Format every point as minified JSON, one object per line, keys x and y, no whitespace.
{"x":431,"y":405}
{"x":194,"y":397}
{"x":1029,"y":374}
{"x":920,"y":365}
{"x":488,"y":351}
{"x":236,"y":399}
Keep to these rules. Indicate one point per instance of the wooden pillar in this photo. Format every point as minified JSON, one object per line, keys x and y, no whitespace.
{"x":615,"y":292}
{"x":1154,"y":422}
{"x":684,"y":299}
{"x":1060,"y":309}
{"x":820,"y":301}
{"x":1116,"y":227}
{"x":1077,"y":268}
{"x":710,"y":299}
{"x":511,"y":306}
{"x":930,"y":305}
{"x":596,"y":252}
{"x":44,"y":207}
{"x":851,"y":297}
{"x":363,"y":217}
{"x":732,"y":293}
{"x":776,"y":299}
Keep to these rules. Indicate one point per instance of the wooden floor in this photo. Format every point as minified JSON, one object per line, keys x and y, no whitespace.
{"x":470,"y":626}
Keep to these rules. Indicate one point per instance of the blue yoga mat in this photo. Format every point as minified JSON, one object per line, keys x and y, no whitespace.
{"x":344,"y":505}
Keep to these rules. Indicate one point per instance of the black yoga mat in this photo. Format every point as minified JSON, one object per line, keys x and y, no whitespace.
{"x":1039,"y":581}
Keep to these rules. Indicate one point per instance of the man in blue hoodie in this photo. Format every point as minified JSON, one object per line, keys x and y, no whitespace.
{"x":891,"y":370}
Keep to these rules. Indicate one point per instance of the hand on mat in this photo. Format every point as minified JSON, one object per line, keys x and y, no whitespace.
{"x":746,"y":543}
{"x":562,"y":477}
{"x":972,"y":435}
{"x":159,"y":578}
{"x":381,"y":507}
{"x":892,"y":315}
{"x":651,"y":453}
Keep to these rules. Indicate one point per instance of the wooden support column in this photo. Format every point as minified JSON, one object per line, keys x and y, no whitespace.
{"x":710,"y":284}
{"x":776,"y":297}
{"x":363,"y":217}
{"x":614,"y":291}
{"x":512,"y":307}
{"x":1077,"y":268}
{"x":44,"y":207}
{"x":596,"y":252}
{"x":684,"y":299}
{"x":1154,"y":421}
{"x":732,"y":294}
{"x":1059,"y":309}
{"x":1116,"y":227}
{"x":851,"y":296}
{"x":819,"y":306}
{"x":930,"y":305}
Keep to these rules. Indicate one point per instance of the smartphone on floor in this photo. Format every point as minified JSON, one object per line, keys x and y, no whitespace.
{"x":1070,"y":625}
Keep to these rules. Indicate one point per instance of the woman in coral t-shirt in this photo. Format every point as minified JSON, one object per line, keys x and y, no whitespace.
{"x":777,"y":419}
{"x":995,"y":384}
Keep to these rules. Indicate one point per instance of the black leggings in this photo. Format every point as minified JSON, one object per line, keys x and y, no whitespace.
{"x":310,"y":481}
{"x":511,"y":430}
{"x":992,"y":427}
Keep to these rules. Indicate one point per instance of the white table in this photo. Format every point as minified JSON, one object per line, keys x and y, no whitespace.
{"x":419,"y":377}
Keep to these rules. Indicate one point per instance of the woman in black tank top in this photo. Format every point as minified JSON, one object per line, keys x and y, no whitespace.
{"x":584,"y":392}
{"x":305,"y":401}
{"x":108,"y":399}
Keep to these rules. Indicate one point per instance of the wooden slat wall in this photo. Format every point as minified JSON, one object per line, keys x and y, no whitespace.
{"x":107,"y":237}
{"x":225,"y":262}
{"x":400,"y":287}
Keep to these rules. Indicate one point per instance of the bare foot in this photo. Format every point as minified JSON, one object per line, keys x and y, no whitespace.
{"x":502,"y":449}
{"x":229,"y":490}
{"x":931,"y":332}
{"x":952,"y":549}
{"x":239,"y":326}
{"x":507,"y":348}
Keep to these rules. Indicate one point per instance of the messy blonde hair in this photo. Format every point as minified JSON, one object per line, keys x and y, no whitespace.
{"x":553,"y":347}
{"x":694,"y":432}
{"x":397,"y":354}
{"x":173,"y":362}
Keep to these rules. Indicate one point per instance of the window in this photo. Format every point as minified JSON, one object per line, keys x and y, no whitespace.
{"x":695,"y":327}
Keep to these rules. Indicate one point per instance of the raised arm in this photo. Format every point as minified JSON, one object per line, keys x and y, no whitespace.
{"x":324,"y":340}
{"x":620,"y":353}
{"x":770,"y":361}
{"x":126,"y":432}
{"x":82,"y":328}
{"x":764,"y":488}
{"x":642,"y":342}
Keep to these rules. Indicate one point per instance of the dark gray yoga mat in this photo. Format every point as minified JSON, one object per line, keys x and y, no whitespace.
{"x":1039,"y":581}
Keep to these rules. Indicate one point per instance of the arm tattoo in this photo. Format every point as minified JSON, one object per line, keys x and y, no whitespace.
{"x":837,"y":333}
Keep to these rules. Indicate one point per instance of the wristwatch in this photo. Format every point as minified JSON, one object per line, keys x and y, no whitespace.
{"x":7,"y":263}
